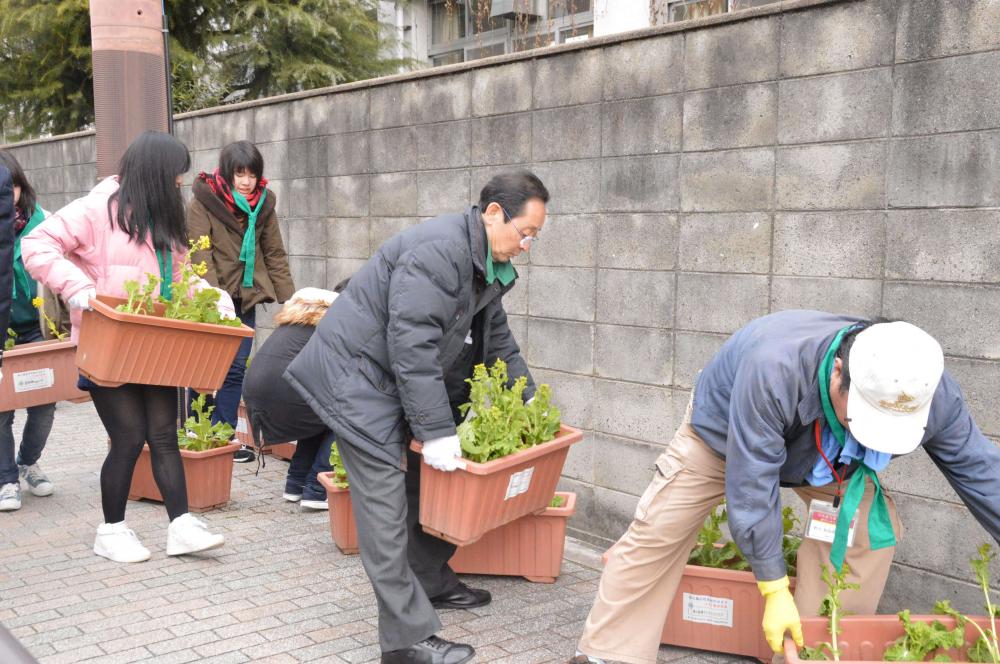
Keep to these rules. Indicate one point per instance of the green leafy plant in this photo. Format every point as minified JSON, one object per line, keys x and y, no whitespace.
{"x":11,"y":339}
{"x":199,"y":433}
{"x":501,"y":423}
{"x":558,"y":501}
{"x":920,"y":639}
{"x":339,"y":471}
{"x":985,"y":648}
{"x":709,"y":552}
{"x":836,"y":583}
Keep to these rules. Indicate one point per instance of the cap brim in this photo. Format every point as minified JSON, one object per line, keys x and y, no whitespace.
{"x":881,"y":431}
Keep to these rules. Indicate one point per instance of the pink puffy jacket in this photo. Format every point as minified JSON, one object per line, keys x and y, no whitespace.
{"x":79,"y":247}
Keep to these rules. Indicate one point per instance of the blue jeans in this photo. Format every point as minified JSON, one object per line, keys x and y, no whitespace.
{"x":227,"y":399}
{"x":312,"y":456}
{"x":36,"y":431}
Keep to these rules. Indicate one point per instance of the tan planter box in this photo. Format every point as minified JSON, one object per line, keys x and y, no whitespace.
{"x":208,"y":476}
{"x":39,"y":373}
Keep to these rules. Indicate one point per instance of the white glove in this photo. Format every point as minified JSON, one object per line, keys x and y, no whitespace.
{"x":225,"y":305}
{"x":82,"y":299}
{"x":444,"y":453}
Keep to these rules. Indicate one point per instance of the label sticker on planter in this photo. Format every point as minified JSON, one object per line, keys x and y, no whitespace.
{"x":708,"y":610}
{"x":37,"y":379}
{"x":519,"y":483}
{"x":241,"y":425}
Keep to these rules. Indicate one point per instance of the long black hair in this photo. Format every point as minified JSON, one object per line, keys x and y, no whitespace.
{"x":26,"y":203}
{"x":241,"y":156}
{"x":149,"y":202}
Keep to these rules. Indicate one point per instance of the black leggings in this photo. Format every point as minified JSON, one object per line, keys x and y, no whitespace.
{"x":136,"y":414}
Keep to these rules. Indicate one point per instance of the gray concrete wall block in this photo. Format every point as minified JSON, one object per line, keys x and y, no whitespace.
{"x":568,"y":241}
{"x":944,"y":245}
{"x":307,"y":198}
{"x":503,"y":89}
{"x":270,"y":123}
{"x":640,"y":184}
{"x":642,"y":126}
{"x":692,"y":351}
{"x":393,"y":194}
{"x":855,"y":297}
{"x":829,"y":244}
{"x":741,"y":52}
{"x":202,"y":161}
{"x":443,"y":145}
{"x":637,"y":241}
{"x":644,"y":68}
{"x":956,"y":316}
{"x":731,"y":180}
{"x":978,"y":380}
{"x":80,"y":177}
{"x":633,"y":465}
{"x":916,"y":475}
{"x":575,"y":186}
{"x":347,"y":196}
{"x":719,"y":302}
{"x":641,"y":412}
{"x":941,"y":535}
{"x":580,"y":460}
{"x":347,"y":238}
{"x":950,"y":94}
{"x":560,"y":345}
{"x":383,"y":228}
{"x":275,"y":160}
{"x":732,"y":117}
{"x":442,"y":192}
{"x":345,"y":112}
{"x":566,"y":133}
{"x":224,"y":128}
{"x":841,"y":176}
{"x":725,"y":242}
{"x":307,"y":271}
{"x":392,"y":105}
{"x":931,"y":28}
{"x":839,"y":107}
{"x":348,"y":154}
{"x":503,"y":139}
{"x":953,"y":170}
{"x":839,"y":37}
{"x":280,"y":189}
{"x":515,"y":302}
{"x":569,"y":79}
{"x":307,"y":117}
{"x":518,"y":327}
{"x":338,"y":269}
{"x":917,"y":590}
{"x":571,"y":393}
{"x":307,"y":157}
{"x":307,"y":237}
{"x":439,"y":99}
{"x":562,"y":292}
{"x":81,"y":150}
{"x":628,"y":297}
{"x":636,"y":354}
{"x":48,"y":181}
{"x":394,"y":150}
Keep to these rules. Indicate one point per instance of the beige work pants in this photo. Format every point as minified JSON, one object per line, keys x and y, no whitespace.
{"x":645,"y":566}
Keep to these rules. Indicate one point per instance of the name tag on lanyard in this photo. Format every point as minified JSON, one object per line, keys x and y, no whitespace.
{"x":821,"y":522}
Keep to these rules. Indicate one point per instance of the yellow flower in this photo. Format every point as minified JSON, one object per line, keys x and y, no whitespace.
{"x":37,"y":302}
{"x":200,"y":269}
{"x":204,"y":242}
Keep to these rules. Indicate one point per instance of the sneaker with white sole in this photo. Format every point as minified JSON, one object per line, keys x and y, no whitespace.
{"x":314,"y":504}
{"x":189,"y":534}
{"x":37,"y":481}
{"x":292,"y":497}
{"x":10,"y":497}
{"x":117,"y":542}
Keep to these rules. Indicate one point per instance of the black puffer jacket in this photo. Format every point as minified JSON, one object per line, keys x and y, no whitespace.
{"x":392,"y":347}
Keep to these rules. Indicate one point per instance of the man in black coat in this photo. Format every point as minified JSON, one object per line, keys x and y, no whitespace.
{"x":388,"y":361}
{"x":6,"y":252}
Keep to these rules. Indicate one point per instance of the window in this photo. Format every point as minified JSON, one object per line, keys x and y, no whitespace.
{"x":449,"y":58}
{"x":685,"y":10}
{"x":447,"y":21}
{"x":560,"y":8}
{"x":479,"y":17}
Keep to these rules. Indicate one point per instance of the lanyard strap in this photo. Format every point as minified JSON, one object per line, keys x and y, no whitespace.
{"x":248,"y":249}
{"x":166,"y":261}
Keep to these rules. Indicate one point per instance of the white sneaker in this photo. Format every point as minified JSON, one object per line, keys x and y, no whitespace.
{"x":38,"y":483}
{"x":115,"y":541}
{"x":188,"y":534}
{"x":292,"y":497}
{"x":314,"y":504}
{"x":10,"y":497}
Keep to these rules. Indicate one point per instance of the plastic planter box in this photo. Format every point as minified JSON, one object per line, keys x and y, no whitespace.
{"x":117,"y":348}
{"x":345,"y":533}
{"x":244,"y":431}
{"x":283,"y":451}
{"x":463,"y":505}
{"x":208,"y":476}
{"x":39,"y":373}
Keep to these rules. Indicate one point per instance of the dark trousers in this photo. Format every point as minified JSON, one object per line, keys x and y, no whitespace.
{"x":312,"y":456}
{"x":227,"y":399}
{"x":405,"y":565}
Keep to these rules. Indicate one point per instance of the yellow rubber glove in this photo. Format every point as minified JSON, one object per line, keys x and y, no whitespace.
{"x":780,"y":613}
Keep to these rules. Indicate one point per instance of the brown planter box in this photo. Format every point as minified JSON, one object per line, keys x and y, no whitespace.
{"x":342,"y":528}
{"x":531,"y":547}
{"x":864,"y":639}
{"x":244,"y":430}
{"x":117,"y":348}
{"x":463,"y":505}
{"x":283,"y":451}
{"x":39,"y":373}
{"x":208,"y":476}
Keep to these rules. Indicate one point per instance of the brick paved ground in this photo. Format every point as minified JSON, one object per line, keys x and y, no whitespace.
{"x":278,"y":591}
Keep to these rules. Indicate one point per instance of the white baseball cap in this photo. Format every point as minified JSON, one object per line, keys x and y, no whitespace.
{"x":895,"y":369}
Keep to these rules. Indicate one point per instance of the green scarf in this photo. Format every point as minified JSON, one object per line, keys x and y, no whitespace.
{"x":248,"y":250}
{"x":166,"y":263}
{"x":495,"y":270}
{"x":21,"y":279}
{"x":880,"y":533}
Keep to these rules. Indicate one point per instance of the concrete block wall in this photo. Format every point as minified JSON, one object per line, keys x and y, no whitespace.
{"x":824,"y":154}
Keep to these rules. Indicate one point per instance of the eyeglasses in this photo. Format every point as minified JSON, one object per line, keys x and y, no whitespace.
{"x":526,"y":240}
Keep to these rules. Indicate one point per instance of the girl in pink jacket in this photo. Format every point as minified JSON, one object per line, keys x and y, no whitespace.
{"x":95,"y":244}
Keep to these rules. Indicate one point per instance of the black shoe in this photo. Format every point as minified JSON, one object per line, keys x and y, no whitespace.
{"x":244,"y":455}
{"x":431,"y":650}
{"x":462,"y":597}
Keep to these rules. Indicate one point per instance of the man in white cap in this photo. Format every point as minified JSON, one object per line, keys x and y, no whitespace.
{"x":804,"y":399}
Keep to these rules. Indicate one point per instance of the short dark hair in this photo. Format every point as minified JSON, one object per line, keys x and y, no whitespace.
{"x":512,"y":190}
{"x":844,"y":350}
{"x":241,"y":156}
{"x":26,"y":203}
